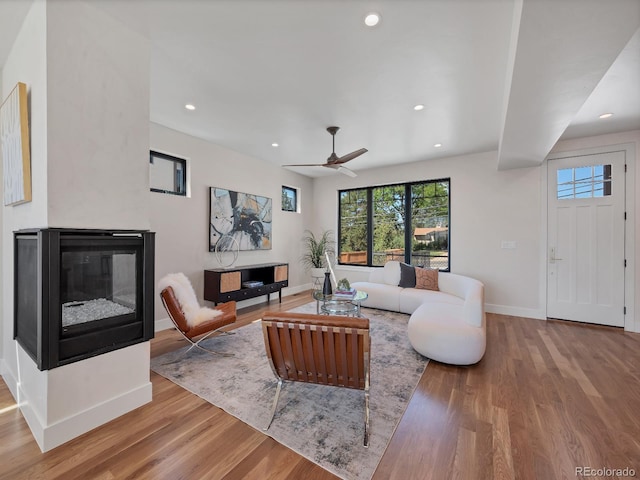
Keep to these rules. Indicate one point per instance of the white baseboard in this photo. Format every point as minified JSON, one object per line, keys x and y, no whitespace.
{"x":51,"y":436}
{"x":9,"y":379}
{"x":515,"y":311}
{"x":298,"y":289}
{"x":163,"y":324}
{"x":631,"y":329}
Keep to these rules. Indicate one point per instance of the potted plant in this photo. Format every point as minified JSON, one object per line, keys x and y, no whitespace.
{"x":315,"y":248}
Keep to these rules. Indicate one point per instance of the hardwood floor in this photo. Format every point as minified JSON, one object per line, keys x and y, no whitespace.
{"x":547,"y":398}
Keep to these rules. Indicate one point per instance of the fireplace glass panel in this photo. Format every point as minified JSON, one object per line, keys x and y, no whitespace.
{"x":26,"y":306}
{"x":97,"y":285}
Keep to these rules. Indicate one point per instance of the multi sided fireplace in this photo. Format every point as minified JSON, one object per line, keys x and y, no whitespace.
{"x":81,"y":293}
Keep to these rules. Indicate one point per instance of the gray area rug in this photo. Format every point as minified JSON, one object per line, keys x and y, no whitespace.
{"x":322,"y":423}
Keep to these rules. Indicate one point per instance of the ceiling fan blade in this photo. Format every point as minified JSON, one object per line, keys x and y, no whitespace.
{"x":307,"y":165}
{"x":347,"y":172}
{"x":341,"y":169}
{"x":334,"y":161}
{"x":350,"y":156}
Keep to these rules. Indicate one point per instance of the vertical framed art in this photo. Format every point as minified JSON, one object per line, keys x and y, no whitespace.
{"x":14,"y":138}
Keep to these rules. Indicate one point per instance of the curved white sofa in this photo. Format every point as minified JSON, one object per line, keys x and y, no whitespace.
{"x":446,"y":325}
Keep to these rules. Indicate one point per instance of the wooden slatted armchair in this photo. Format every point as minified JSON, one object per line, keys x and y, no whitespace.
{"x":320,"y":349}
{"x":194,"y":323}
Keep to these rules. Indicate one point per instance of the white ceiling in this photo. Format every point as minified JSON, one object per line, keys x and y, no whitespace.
{"x":513,"y":75}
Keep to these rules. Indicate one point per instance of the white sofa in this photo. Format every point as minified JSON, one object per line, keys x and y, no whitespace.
{"x":446,"y":325}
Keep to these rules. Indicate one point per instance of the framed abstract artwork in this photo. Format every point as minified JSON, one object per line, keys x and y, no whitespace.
{"x":239,"y":221}
{"x":14,"y":138}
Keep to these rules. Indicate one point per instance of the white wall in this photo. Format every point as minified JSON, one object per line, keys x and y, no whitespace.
{"x":98,"y":129}
{"x":487,"y":206}
{"x":88,"y":81}
{"x":182,"y":223}
{"x":1,"y":250}
{"x":26,"y":63}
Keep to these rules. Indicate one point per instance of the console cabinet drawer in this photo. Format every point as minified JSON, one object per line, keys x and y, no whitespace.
{"x":230,"y":281}
{"x":281,"y":273}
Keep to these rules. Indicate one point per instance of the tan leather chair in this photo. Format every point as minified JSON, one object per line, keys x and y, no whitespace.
{"x":321,"y":349}
{"x":203,"y":330}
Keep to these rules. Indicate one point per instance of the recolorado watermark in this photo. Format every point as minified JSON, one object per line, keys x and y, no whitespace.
{"x":605,"y":472}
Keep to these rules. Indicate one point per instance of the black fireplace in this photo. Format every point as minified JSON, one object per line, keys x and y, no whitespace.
{"x":81,"y":293}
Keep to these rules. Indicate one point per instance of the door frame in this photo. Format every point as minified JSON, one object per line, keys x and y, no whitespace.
{"x":631,"y":324}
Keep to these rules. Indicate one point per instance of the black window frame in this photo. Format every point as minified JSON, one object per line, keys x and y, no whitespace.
{"x":181,"y":183}
{"x":295,"y":198}
{"x":408,"y":221}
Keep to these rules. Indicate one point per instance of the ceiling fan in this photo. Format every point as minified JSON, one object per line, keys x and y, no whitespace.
{"x":334,"y":161}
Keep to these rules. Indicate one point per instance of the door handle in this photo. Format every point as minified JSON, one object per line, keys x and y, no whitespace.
{"x":552,"y":256}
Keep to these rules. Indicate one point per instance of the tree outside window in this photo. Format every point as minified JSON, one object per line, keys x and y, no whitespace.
{"x":404,"y":222}
{"x":353,"y":227}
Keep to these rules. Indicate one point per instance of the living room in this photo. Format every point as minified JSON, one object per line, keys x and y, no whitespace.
{"x":489,"y":204}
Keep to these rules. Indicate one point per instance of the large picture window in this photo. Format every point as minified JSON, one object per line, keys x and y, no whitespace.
{"x":406,"y":222}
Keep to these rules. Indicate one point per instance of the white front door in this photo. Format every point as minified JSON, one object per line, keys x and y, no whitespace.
{"x":585,"y":245}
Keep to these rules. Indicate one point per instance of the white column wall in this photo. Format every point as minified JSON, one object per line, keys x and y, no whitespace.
{"x":26,"y":63}
{"x":88,"y":78}
{"x":1,"y":253}
{"x":98,"y":108}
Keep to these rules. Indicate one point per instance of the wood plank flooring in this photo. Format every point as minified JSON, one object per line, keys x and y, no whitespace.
{"x":548,"y":397}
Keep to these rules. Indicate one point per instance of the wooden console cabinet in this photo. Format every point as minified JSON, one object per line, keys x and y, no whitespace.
{"x":224,"y":284}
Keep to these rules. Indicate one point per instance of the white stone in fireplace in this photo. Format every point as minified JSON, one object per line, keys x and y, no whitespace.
{"x":74,"y":313}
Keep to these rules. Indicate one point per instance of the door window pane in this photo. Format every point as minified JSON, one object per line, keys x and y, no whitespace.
{"x":584,"y":182}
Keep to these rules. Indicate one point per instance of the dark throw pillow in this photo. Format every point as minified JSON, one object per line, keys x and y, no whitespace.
{"x":407,"y":276}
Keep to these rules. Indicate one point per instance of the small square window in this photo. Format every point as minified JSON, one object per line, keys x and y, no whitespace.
{"x":289,"y":199}
{"x":167,"y":174}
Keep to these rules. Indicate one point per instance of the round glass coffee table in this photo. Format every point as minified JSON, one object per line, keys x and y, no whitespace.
{"x":338,"y":305}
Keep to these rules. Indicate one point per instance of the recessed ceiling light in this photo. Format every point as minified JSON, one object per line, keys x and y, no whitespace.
{"x":606,"y":115}
{"x":419,"y":107}
{"x":372,"y":19}
{"x":188,"y":106}
{"x":275,"y":145}
{"x":438,"y":145}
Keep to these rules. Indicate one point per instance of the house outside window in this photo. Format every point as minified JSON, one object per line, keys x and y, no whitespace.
{"x":406,"y":222}
{"x":289,"y":199}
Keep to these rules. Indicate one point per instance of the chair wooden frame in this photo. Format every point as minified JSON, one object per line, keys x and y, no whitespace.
{"x":321,"y":349}
{"x":203,"y":330}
